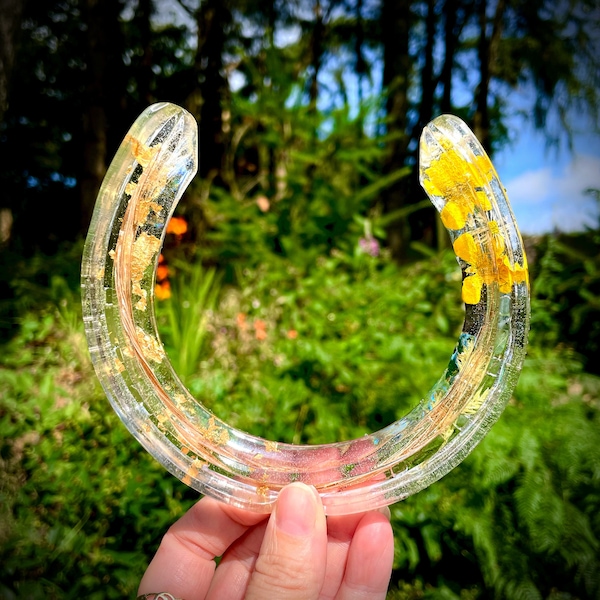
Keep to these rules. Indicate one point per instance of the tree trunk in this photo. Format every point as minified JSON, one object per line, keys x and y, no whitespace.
{"x":450,"y":44}
{"x":428,"y":84}
{"x":361,"y":66}
{"x":395,"y":27}
{"x":101,"y":101}
{"x":11,"y":12}
{"x":316,"y":50}
{"x":144,"y":11}
{"x":206,"y":102}
{"x":424,"y":224}
{"x":487,"y":51}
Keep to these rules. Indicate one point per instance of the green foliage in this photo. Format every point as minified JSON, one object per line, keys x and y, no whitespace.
{"x":185,"y":314}
{"x":318,"y":194}
{"x":305,"y":353}
{"x":81,"y":505}
{"x":519,"y":517}
{"x":328,"y":351}
{"x":567,"y":293}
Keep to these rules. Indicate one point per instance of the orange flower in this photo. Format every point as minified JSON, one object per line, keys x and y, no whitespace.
{"x":263,"y":203}
{"x":162,"y":272}
{"x":292,"y":334}
{"x":260,"y":330}
{"x":177,"y":226}
{"x":162,"y":291}
{"x":241,"y":321}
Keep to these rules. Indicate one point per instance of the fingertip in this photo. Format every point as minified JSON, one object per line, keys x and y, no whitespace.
{"x":297,"y":509}
{"x":292,"y":559}
{"x":385,"y":511}
{"x":370,"y":558}
{"x":376,"y":527}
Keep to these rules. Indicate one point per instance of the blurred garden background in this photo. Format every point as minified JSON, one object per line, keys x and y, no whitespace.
{"x":306,"y":290}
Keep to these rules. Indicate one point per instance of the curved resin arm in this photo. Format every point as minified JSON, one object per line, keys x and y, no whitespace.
{"x":153,"y":166}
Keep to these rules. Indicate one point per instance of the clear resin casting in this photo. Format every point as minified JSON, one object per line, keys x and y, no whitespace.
{"x":150,"y":171}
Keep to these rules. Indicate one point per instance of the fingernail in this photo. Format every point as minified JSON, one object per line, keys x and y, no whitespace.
{"x":296,"y":510}
{"x":385,"y":511}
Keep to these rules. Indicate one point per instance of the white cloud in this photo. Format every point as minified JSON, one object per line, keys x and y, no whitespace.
{"x":532,"y":187}
{"x":582,"y":173}
{"x":545,"y":200}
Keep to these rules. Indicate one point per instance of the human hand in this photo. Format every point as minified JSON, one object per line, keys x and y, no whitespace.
{"x":294,"y":554}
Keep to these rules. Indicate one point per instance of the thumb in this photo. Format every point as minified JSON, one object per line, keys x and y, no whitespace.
{"x":291,"y":562}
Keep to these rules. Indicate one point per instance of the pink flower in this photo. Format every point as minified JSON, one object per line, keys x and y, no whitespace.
{"x":369,"y":245}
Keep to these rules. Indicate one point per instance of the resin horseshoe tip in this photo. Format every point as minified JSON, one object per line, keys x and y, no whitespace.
{"x":151,"y":170}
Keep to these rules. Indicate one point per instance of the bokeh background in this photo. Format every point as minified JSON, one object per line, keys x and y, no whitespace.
{"x":307,"y":291}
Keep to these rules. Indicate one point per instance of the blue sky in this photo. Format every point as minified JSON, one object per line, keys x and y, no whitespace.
{"x":546,"y":185}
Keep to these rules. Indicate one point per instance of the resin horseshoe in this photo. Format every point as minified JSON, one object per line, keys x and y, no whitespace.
{"x":144,"y":182}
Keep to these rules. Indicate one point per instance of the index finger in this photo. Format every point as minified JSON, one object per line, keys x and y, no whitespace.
{"x":184,"y":562}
